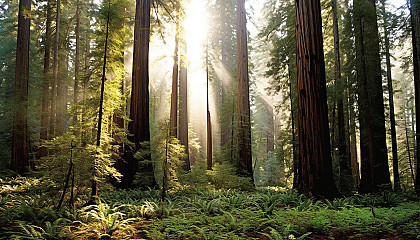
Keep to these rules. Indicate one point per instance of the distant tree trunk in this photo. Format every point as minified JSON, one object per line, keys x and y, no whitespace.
{"x":61,"y":101}
{"x":183,"y":112}
{"x":85,"y":87}
{"x":209,"y":130}
{"x":415,"y":28}
{"x":407,"y":142}
{"x":244,"y":127}
{"x":20,"y":159}
{"x":270,"y":130}
{"x":139,"y":109}
{"x":42,"y":151}
{"x":174,"y":93}
{"x":374,"y":156}
{"x":294,"y":150}
{"x":346,"y":178}
{"x":353,"y":144}
{"x":316,"y":178}
{"x":224,"y":136}
{"x":77,"y":60}
{"x":391,"y":101}
{"x":55,"y":73}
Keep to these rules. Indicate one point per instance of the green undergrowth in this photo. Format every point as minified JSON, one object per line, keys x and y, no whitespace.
{"x":27,"y":211}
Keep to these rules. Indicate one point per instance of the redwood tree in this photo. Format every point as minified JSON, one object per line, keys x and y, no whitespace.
{"x":244,"y":127}
{"x":374,"y":153}
{"x":19,"y":138}
{"x":183,"y":111}
{"x":315,"y":172}
{"x":346,"y":178}
{"x":174,"y":92}
{"x":139,"y":127}
{"x":391,"y":97}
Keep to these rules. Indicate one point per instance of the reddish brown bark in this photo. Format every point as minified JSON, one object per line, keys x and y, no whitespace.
{"x":315,"y":172}
{"x":244,"y":123}
{"x":20,"y":160}
{"x":139,"y":109}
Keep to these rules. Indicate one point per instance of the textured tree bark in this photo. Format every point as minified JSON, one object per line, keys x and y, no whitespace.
{"x":346,"y":178}
{"x":183,"y":112}
{"x":20,"y":160}
{"x":55,"y":73}
{"x":139,"y":109}
{"x":415,"y":25}
{"x":244,"y":124}
{"x":42,"y":151}
{"x":374,"y":158}
{"x":174,"y":94}
{"x":316,"y":178}
{"x":391,"y":101}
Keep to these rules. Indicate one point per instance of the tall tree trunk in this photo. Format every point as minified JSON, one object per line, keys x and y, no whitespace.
{"x":61,"y":95}
{"x":77,"y":60}
{"x":374,"y":152}
{"x":224,"y":136}
{"x":209,"y":144}
{"x":42,"y":151}
{"x":244,"y":113}
{"x":407,"y":142}
{"x":94,"y":193}
{"x":20,"y":159}
{"x":346,"y":178}
{"x":391,"y":100}
{"x":55,"y":73}
{"x":183,"y":111}
{"x":415,"y":25}
{"x":353,"y":143}
{"x":85,"y":88}
{"x":139,"y":109}
{"x":294,"y":150}
{"x":316,"y":178}
{"x":174,"y":94}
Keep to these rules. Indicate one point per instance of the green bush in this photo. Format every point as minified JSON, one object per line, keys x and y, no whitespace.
{"x":224,"y":176}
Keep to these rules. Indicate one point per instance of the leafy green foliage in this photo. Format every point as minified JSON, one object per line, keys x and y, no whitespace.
{"x":205,"y":213}
{"x":224,"y":176}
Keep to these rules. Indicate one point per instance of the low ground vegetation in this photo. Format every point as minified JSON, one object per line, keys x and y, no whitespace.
{"x":27,"y":211}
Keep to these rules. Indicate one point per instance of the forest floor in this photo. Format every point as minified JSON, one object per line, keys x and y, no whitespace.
{"x":27,"y":211}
